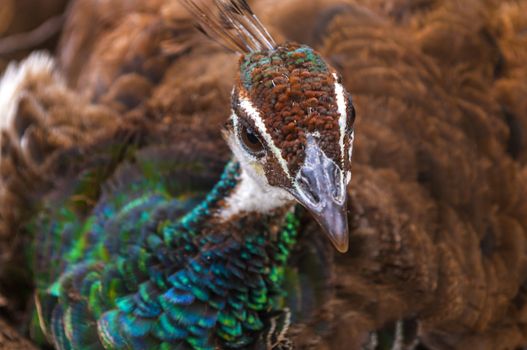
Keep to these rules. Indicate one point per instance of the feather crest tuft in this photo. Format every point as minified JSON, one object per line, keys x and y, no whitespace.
{"x":232,"y":23}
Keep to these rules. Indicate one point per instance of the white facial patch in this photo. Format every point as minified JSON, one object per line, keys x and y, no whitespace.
{"x":350,"y":154}
{"x":253,"y":196}
{"x":253,"y":113}
{"x":341,"y":104}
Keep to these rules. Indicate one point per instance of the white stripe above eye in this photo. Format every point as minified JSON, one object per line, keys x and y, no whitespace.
{"x":253,"y":113}
{"x":341,"y":104}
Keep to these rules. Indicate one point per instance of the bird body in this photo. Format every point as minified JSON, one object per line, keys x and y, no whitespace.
{"x":436,"y":206}
{"x":157,"y":262}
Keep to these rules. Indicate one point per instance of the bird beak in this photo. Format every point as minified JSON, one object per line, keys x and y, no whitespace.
{"x":320,"y":187}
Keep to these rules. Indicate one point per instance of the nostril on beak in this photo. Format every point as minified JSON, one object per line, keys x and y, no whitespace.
{"x":309,"y":188}
{"x":336,"y":190}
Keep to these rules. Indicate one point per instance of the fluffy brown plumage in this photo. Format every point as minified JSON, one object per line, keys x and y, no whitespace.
{"x":118,"y":102}
{"x":439,"y":220}
{"x":11,"y":340}
{"x":27,"y":25}
{"x":438,"y":209}
{"x":40,"y":145}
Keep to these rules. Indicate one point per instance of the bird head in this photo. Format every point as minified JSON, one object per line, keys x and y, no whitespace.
{"x":291,"y":129}
{"x":291,"y":123}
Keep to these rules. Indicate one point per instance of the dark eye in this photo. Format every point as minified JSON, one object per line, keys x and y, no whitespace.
{"x":350,"y":113}
{"x":251,"y":141}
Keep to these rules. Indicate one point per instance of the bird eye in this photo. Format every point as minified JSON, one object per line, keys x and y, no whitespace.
{"x":251,"y":141}
{"x":350,"y":112}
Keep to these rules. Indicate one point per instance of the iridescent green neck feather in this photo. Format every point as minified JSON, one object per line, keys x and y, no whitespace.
{"x":145,"y":272}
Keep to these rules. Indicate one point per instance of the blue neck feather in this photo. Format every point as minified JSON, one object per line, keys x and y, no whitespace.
{"x":146,"y":280}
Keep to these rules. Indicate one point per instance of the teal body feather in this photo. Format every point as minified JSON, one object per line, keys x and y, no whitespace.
{"x":148,"y":268}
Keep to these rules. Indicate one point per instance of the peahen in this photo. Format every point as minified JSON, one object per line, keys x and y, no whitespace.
{"x":437,"y":201}
{"x":163,"y":261}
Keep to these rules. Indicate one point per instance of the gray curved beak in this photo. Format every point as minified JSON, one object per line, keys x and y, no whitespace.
{"x":320,"y":187}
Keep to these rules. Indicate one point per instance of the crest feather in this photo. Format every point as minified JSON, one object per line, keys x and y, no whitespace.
{"x":232,"y":23}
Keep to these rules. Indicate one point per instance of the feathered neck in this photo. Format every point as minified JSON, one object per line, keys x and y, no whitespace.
{"x":228,"y":280}
{"x":181,"y":283}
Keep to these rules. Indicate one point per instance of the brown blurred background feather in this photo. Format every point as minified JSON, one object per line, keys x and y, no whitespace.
{"x":438,"y":198}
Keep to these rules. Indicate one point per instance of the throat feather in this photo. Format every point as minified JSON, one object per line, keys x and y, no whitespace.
{"x":252,"y":196}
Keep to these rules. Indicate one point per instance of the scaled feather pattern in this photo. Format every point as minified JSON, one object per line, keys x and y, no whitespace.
{"x":133,"y":275}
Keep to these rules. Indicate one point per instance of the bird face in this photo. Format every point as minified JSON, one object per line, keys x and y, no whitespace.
{"x":291,"y":128}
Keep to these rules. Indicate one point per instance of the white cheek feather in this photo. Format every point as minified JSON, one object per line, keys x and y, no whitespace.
{"x":253,"y":113}
{"x":251,"y":196}
{"x":341,"y":104}
{"x":350,"y":153}
{"x":350,"y":150}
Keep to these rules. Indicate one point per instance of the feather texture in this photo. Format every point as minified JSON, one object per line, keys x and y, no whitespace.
{"x":232,"y":23}
{"x":437,"y":200}
{"x":146,"y":269}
